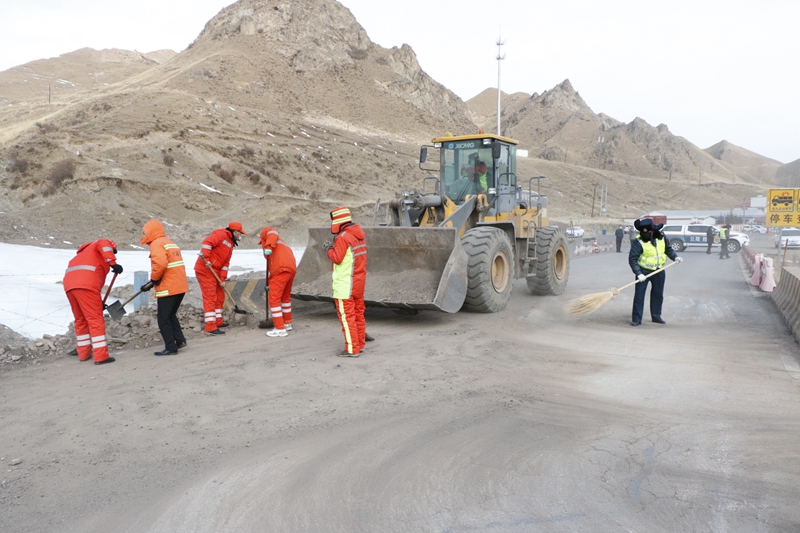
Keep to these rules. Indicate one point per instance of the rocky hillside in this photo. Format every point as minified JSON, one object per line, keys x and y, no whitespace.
{"x":280,"y":111}
{"x":276,"y":113}
{"x":558,"y":125}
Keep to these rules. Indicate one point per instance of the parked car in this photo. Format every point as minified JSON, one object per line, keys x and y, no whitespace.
{"x":788,"y":235}
{"x":754,"y":229}
{"x":694,"y":236}
{"x":574,"y":231}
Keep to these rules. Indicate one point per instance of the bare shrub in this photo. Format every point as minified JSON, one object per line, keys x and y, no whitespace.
{"x":275,"y":159}
{"x":48,"y":189}
{"x":227,"y":175}
{"x":314,"y":195}
{"x":61,"y":171}
{"x":268,"y":187}
{"x":19,"y":164}
{"x":254,"y":177}
{"x":46,"y":128}
{"x":169,"y":160}
{"x":294,"y":189}
{"x":246,"y":152}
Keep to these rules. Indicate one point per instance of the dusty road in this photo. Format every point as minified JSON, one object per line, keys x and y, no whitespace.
{"x":526,"y":420}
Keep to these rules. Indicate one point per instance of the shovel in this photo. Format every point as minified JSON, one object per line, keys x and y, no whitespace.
{"x":117,"y":309}
{"x":74,"y":351}
{"x":267,"y":322}
{"x":235,"y":307}
{"x":109,"y":289}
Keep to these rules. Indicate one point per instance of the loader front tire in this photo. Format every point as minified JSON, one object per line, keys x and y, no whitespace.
{"x":549,"y":272}
{"x":490,"y":261}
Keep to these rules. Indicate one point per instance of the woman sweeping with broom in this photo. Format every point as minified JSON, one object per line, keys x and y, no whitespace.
{"x":649,"y":252}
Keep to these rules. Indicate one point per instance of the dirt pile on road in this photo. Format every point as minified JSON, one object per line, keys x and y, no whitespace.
{"x":133,"y":331}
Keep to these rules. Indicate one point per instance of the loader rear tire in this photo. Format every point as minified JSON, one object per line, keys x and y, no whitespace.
{"x":490,"y":261}
{"x":549,"y":273}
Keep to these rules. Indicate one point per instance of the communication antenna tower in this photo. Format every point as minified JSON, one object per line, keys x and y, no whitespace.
{"x":500,"y":57}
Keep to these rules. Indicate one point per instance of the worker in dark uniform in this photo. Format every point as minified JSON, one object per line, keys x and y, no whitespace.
{"x":619,"y":234}
{"x":648,"y":254}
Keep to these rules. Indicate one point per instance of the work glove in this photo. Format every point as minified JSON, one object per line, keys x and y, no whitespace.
{"x":147,"y":286}
{"x":679,"y":259}
{"x":117,"y":269}
{"x":327,"y":245}
{"x":641,"y":277}
{"x":207,"y":262}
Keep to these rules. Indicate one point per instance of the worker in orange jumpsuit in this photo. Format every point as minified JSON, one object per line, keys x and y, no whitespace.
{"x":215,"y":253}
{"x":281,"y":269}
{"x":83,"y":281}
{"x":348,"y":253}
{"x":168,"y":276}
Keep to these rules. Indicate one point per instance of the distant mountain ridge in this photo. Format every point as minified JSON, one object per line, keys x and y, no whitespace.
{"x":280,"y":111}
{"x":558,"y":125}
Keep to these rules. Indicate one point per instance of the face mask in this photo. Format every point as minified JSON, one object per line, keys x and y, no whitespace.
{"x":646,"y":236}
{"x":267,"y":252}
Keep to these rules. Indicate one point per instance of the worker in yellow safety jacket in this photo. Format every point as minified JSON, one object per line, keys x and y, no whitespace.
{"x":649,"y":253}
{"x":724,"y":234}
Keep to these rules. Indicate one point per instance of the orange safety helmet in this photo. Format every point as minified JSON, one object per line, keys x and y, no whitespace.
{"x":339,"y":216}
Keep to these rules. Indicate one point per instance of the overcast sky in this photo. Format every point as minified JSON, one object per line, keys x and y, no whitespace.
{"x":708,"y":69}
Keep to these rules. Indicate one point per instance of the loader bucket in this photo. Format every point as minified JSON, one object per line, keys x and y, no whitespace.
{"x":407,"y":268}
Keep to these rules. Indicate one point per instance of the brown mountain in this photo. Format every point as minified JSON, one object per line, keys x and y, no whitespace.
{"x":788,"y":175}
{"x":558,"y":125}
{"x":76,"y":72}
{"x":278,"y":112}
{"x":275,"y":113}
{"x":744,"y":163}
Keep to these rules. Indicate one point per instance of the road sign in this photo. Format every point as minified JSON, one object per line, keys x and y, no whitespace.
{"x":782,"y":208}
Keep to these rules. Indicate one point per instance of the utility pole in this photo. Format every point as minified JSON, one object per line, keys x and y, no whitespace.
{"x":500,"y":57}
{"x":603,"y":199}
{"x":594,"y":193}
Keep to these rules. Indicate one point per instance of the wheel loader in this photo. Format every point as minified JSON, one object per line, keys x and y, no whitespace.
{"x":459,"y":242}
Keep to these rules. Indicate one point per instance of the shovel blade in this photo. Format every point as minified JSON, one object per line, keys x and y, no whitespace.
{"x":116,"y":310}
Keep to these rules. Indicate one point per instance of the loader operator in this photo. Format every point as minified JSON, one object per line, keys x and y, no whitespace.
{"x":480,"y":177}
{"x":211,"y":270}
{"x":348,"y":253}
{"x":83,"y":281}
{"x":474,"y":180}
{"x":281,"y":269}
{"x":648,"y":254}
{"x":168,"y":276}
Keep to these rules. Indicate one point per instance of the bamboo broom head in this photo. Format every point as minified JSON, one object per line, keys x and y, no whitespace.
{"x":590,"y":303}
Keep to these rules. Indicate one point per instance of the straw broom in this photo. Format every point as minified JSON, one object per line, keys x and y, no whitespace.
{"x":592,"y":302}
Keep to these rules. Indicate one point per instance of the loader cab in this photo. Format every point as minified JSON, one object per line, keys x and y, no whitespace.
{"x":460,"y":159}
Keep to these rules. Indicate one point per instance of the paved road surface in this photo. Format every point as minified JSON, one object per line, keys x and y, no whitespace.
{"x":525,"y":421}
